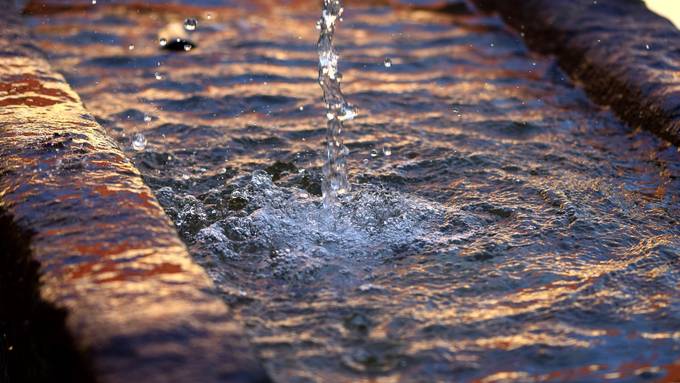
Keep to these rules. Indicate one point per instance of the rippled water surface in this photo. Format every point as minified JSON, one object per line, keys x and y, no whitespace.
{"x":500,"y":226}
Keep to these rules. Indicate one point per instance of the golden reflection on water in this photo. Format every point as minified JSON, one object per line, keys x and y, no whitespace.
{"x":592,"y":202}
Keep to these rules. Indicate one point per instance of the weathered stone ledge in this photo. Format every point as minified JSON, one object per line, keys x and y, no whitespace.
{"x":625,"y":56}
{"x":137,"y":306}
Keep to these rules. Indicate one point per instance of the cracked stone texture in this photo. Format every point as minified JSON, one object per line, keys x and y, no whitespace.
{"x":109,"y":255}
{"x":625,"y":56}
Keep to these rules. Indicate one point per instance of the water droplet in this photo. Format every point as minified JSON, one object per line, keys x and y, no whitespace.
{"x":138,"y":142}
{"x":374,"y":153}
{"x":187,"y":47}
{"x":647,"y":46}
{"x":94,"y":2}
{"x":163,"y":42}
{"x":190,"y":24}
{"x":208,"y":15}
{"x":147,"y":118}
{"x":368,"y":287}
{"x":302,"y":108}
{"x":387,"y":151}
{"x":348,"y":113}
{"x":158,"y":76}
{"x":131,"y":46}
{"x":388,"y":62}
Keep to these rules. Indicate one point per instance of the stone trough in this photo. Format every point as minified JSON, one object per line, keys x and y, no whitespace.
{"x":96,"y":285}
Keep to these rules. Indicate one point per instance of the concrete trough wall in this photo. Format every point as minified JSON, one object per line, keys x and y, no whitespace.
{"x":130,"y":297}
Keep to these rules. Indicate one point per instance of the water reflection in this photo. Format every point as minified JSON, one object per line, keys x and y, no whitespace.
{"x":536,"y":237}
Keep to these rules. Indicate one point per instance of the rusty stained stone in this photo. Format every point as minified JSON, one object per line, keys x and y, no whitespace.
{"x":108,"y":254}
{"x":625,"y":56}
{"x":28,"y":90}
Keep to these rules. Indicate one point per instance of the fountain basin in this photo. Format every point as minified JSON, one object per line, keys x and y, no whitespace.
{"x":503,"y":227}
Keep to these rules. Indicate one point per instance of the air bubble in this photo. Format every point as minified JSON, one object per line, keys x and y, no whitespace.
{"x":158,"y":76}
{"x":138,"y":142}
{"x":387,"y":151}
{"x":187,"y":47}
{"x":163,"y":42}
{"x":190,"y":24}
{"x":374,"y":153}
{"x":131,"y":46}
{"x":388,"y":62}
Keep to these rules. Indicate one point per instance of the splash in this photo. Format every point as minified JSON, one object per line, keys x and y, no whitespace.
{"x":281,"y":230}
{"x":338,"y":110}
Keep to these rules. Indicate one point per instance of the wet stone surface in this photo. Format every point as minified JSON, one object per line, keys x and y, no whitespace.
{"x":97,"y":286}
{"x":501,"y":227}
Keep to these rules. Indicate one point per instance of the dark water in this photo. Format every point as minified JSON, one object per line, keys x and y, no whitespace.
{"x":501,"y":228}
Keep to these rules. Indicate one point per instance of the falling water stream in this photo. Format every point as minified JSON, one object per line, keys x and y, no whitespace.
{"x":500,"y":227}
{"x":337,"y":109}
